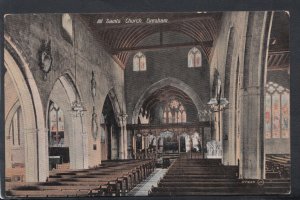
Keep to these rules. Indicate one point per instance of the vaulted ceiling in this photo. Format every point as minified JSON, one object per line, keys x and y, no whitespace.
{"x":121,"y":39}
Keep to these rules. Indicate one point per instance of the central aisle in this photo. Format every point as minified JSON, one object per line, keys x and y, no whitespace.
{"x":143,"y":188}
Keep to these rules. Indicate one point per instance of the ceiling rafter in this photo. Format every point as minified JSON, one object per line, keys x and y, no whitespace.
{"x":121,"y":39}
{"x":164,"y":46}
{"x":278,"y":60}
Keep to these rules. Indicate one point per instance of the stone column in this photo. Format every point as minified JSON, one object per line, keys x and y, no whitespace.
{"x":8,"y":152}
{"x":178,"y":143}
{"x":252,"y":118}
{"x":43,"y":156}
{"x":114,"y":143}
{"x":78,"y":144}
{"x":125,"y":138}
{"x":123,"y":146}
{"x":146,"y":145}
{"x":31,"y":160}
{"x":134,"y":144}
{"x":85,"y":149}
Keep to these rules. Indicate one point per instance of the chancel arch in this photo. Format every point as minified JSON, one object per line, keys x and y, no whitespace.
{"x":174,"y":83}
{"x":168,"y":121}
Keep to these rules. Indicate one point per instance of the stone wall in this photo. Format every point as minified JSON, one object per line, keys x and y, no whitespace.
{"x":27,"y":32}
{"x":162,"y":64}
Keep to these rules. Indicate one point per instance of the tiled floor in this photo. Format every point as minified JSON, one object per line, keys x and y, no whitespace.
{"x":143,"y":188}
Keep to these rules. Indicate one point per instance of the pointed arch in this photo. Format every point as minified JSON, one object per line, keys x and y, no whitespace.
{"x":115,"y":103}
{"x":36,"y":165}
{"x":75,"y":134}
{"x":168,"y":82}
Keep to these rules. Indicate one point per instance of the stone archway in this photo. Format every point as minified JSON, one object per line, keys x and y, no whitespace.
{"x":174,"y":83}
{"x":110,"y":146}
{"x":121,"y":119}
{"x":115,"y":103}
{"x":64,"y":93}
{"x":36,"y":165}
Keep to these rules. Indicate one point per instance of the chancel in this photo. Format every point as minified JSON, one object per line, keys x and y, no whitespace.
{"x":165,"y":104}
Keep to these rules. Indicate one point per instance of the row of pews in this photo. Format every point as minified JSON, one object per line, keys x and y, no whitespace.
{"x":278,"y":166}
{"x":112,"y":178}
{"x":188,"y":177}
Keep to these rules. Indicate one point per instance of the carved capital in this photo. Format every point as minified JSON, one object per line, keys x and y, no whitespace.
{"x":123,"y":119}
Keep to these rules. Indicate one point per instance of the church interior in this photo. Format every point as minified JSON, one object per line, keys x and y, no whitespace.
{"x":179,"y":104}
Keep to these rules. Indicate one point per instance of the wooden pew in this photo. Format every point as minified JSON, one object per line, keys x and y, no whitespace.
{"x":277,"y":166}
{"x":112,"y":178}
{"x":16,"y":174}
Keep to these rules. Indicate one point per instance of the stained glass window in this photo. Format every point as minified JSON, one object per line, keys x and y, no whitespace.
{"x":174,"y":112}
{"x":268,"y":116}
{"x":56,"y":119}
{"x":139,"y":62}
{"x":194,"y":58}
{"x":285,"y":115}
{"x":277,"y":111}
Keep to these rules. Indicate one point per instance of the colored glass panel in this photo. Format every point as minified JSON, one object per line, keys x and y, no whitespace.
{"x":268,"y":117}
{"x":285,"y":121}
{"x":276,"y":115}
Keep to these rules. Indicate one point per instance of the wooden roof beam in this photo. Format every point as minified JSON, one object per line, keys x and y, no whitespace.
{"x":164,"y":46}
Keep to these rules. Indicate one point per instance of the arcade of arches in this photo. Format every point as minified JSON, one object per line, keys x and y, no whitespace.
{"x":144,"y":93}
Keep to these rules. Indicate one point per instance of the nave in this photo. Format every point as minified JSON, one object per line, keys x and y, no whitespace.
{"x":185,"y":176}
{"x":93,"y":109}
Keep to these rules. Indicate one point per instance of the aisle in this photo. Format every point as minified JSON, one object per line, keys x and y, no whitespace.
{"x":143,"y":188}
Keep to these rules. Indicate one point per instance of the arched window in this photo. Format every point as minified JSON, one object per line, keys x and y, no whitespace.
{"x":67,"y":25}
{"x":277,"y":115}
{"x":174,"y":112}
{"x":15,"y":128}
{"x":194,"y":58}
{"x":139,"y":62}
{"x":56,"y":118}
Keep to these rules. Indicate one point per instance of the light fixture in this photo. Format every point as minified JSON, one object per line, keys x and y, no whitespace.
{"x":218,"y":104}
